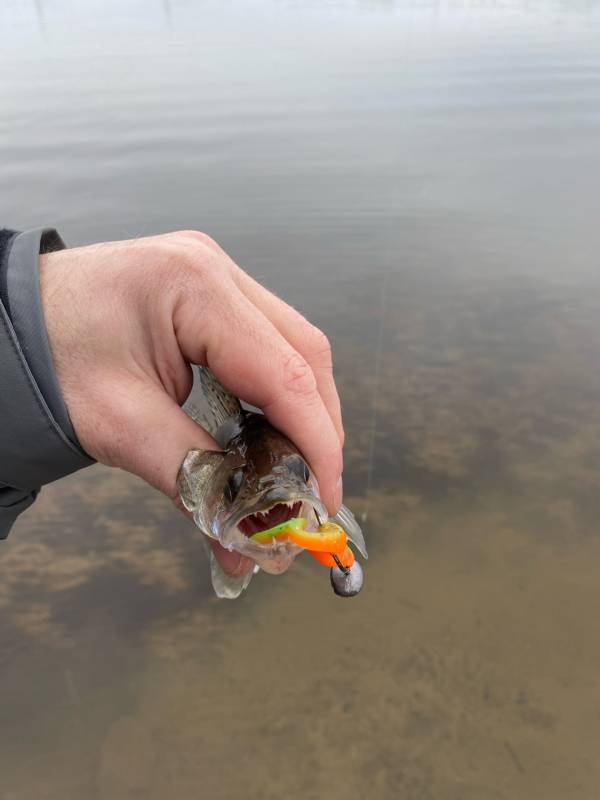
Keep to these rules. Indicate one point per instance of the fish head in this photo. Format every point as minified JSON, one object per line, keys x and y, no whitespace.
{"x":203,"y":481}
{"x":260,"y":481}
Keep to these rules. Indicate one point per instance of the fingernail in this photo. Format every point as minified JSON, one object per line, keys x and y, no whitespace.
{"x":338,"y":494}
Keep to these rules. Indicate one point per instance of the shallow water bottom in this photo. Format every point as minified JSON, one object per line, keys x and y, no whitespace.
{"x":466,"y":669}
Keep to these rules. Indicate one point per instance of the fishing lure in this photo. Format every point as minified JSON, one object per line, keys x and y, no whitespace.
{"x":328,"y":545}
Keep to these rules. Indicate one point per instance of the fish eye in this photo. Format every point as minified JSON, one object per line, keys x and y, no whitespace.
{"x":298,"y":466}
{"x":234,"y":484}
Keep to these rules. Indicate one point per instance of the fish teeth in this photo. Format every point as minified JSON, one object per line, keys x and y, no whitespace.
{"x":264,"y":515}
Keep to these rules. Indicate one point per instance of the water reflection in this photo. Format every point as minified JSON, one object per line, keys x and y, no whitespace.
{"x":462,"y":670}
{"x":421,"y":181}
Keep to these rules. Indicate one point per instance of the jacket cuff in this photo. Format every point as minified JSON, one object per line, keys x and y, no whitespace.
{"x":34,"y":449}
{"x":12,"y":503}
{"x":24,"y":306}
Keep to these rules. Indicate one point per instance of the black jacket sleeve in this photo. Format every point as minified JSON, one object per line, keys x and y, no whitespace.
{"x":35,"y":447}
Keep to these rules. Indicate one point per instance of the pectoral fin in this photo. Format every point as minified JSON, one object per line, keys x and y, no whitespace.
{"x":226,"y":587}
{"x":347,"y":520}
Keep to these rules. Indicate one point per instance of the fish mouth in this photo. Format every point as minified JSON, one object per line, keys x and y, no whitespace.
{"x":269,"y":510}
{"x":268,"y":518}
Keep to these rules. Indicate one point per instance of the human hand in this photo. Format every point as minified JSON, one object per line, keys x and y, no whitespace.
{"x":125,"y":320}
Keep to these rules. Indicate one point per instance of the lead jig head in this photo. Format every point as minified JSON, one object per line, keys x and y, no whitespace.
{"x":346,"y":582}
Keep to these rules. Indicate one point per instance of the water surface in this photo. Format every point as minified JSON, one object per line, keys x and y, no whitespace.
{"x":421,"y":180}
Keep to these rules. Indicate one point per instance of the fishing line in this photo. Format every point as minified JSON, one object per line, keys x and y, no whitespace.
{"x":375,"y":396}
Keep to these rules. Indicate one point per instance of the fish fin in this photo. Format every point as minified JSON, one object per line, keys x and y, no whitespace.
{"x":212,"y":407}
{"x":348,"y":522}
{"x":227,"y":587}
{"x":198,"y":468}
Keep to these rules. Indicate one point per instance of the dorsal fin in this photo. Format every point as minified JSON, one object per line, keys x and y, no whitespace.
{"x":213,"y":407}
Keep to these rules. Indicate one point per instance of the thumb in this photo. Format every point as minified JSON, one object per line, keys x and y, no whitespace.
{"x":153,"y":435}
{"x":156,"y":436}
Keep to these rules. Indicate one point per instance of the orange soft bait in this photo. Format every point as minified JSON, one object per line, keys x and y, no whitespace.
{"x":346,"y":558}
{"x":328,"y":540}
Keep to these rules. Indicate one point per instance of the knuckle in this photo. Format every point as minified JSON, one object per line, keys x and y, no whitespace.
{"x":319,"y":347}
{"x":192,"y":267}
{"x":298,"y":377}
{"x":184,"y":253}
{"x":204,"y":260}
{"x":160,"y":253}
{"x":200,"y":238}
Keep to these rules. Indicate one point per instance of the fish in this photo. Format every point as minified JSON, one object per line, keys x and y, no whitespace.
{"x":257,"y":480}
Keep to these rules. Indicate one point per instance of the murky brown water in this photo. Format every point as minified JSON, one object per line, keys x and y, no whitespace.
{"x":422,"y":181}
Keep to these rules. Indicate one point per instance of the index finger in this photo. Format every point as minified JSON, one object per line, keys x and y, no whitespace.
{"x":254,"y":361}
{"x":309,"y":341}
